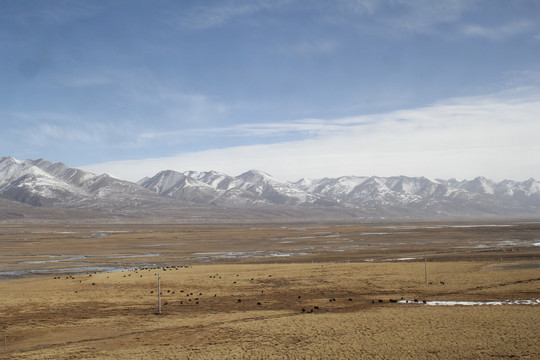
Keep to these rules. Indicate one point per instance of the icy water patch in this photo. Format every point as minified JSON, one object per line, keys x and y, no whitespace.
{"x":214,"y":255}
{"x":64,"y":258}
{"x":472,"y":303}
{"x":76,"y":258}
{"x":63,"y":271}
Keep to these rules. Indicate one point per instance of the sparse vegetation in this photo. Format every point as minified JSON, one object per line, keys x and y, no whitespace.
{"x":320,"y":304}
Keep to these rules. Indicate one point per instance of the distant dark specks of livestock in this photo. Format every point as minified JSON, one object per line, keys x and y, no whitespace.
{"x":238,"y":301}
{"x":258,"y":304}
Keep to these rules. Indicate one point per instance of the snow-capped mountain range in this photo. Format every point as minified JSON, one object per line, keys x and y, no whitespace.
{"x":55,"y":185}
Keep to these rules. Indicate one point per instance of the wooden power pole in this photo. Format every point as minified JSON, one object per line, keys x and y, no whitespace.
{"x":425,"y":266}
{"x":159,"y":293}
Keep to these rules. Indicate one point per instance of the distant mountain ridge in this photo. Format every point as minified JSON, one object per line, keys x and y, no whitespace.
{"x":47,"y":184}
{"x":55,"y":185}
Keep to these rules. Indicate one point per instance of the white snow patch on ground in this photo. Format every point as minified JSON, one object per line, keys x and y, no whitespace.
{"x":472,"y":303}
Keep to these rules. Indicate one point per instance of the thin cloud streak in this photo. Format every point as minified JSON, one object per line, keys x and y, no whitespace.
{"x":499,"y":32}
{"x":324,"y":46}
{"x":207,"y":17}
{"x":405,"y":17}
{"x":461,"y":138}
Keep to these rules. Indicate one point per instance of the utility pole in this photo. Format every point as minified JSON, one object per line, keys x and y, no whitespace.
{"x":159,"y":293}
{"x":5,"y":339}
{"x":425,"y":267}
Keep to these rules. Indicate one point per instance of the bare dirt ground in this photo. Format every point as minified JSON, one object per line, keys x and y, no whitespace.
{"x":269,"y":291}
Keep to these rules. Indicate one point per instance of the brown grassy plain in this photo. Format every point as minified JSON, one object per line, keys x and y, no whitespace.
{"x":334,"y":272}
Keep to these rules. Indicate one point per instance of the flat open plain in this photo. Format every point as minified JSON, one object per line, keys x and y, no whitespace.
{"x":265,"y":291}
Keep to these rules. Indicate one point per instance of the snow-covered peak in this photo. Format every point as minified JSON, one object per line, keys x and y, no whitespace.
{"x":305,"y":184}
{"x":163,"y":181}
{"x":479,"y":185}
{"x":9,"y":159}
{"x":255,"y":176}
{"x":11,"y":169}
{"x":44,"y":183}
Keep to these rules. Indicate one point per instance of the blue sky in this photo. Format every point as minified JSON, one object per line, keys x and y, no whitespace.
{"x":294,"y":88}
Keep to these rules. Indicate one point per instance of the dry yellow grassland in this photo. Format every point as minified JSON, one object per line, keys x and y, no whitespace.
{"x":113,"y":315}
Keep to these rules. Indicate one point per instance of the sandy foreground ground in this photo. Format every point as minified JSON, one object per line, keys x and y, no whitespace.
{"x":277,"y":311}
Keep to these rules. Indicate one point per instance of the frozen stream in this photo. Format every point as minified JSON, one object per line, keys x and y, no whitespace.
{"x":472,"y":303}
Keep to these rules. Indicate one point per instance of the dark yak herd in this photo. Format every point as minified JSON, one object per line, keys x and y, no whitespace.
{"x":191,"y":300}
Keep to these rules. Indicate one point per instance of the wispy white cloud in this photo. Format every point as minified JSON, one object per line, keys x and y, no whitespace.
{"x":50,"y":13}
{"x":298,"y":129}
{"x":206,"y":16}
{"x":184,"y":97}
{"x":83,"y":80}
{"x":498,"y":32}
{"x":40,"y":129}
{"x":324,"y":46}
{"x":494,"y":136}
{"x":425,"y":16}
{"x":403,"y":17}
{"x":363,"y":7}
